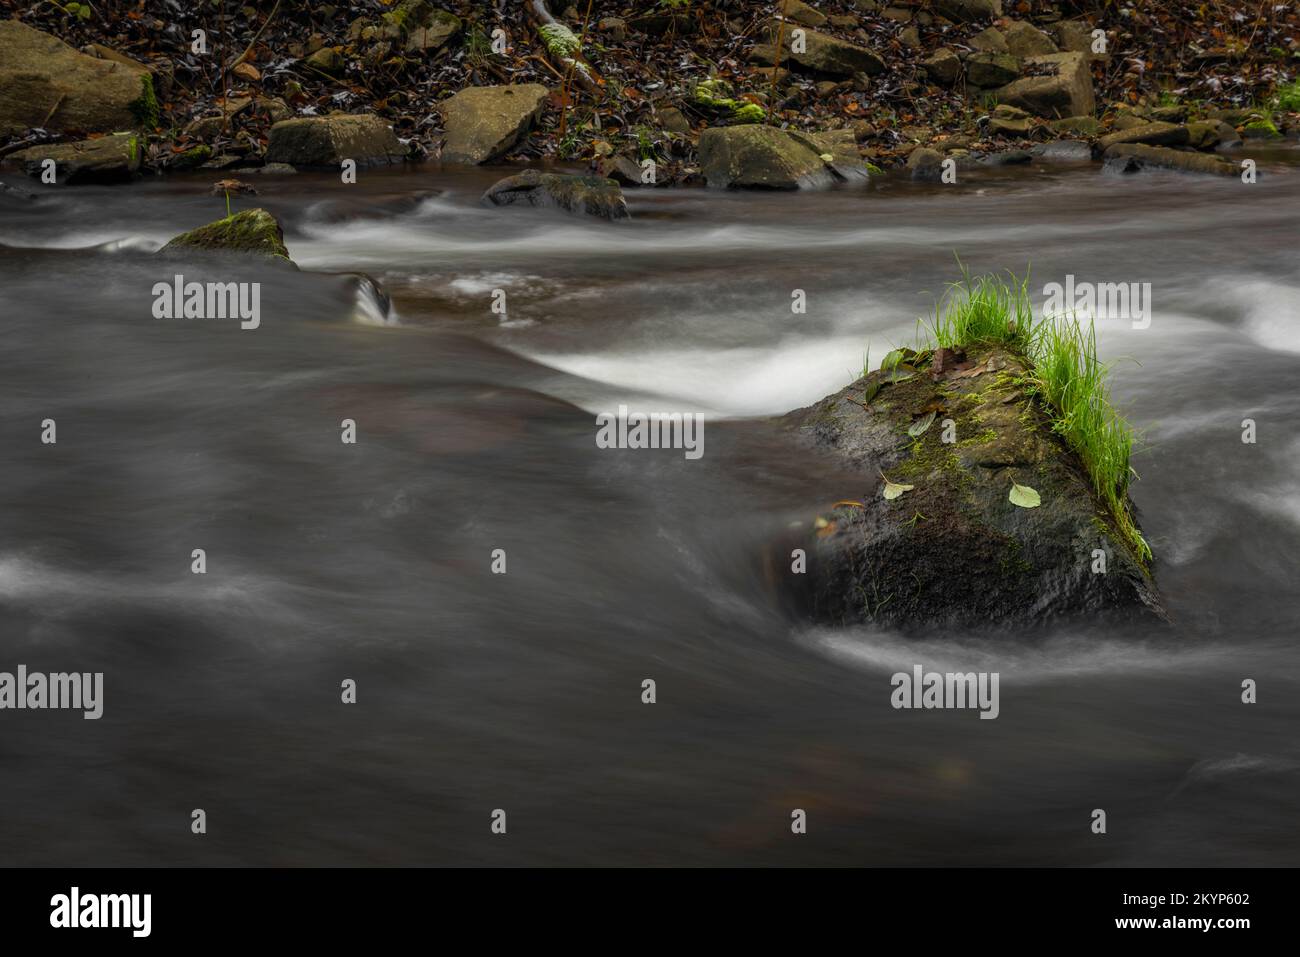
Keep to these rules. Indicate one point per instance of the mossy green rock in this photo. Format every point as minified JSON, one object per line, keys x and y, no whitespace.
{"x":593,"y":195}
{"x":105,"y":159}
{"x":252,"y":232}
{"x":954,"y":551}
{"x":44,"y":82}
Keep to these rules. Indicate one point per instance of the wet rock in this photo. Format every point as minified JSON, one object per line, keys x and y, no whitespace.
{"x":1026,"y":40}
{"x":925,"y":165}
{"x":253,"y":232}
{"x":1065,"y":91}
{"x":592,"y":195}
{"x":1007,"y":158}
{"x":1063,"y":151}
{"x":1136,"y":157}
{"x":621,"y":169}
{"x":831,"y":55}
{"x":328,"y":140}
{"x":1153,"y":134}
{"x":1208,"y":134}
{"x":482,"y":122}
{"x":954,"y":551}
{"x":758,"y":156}
{"x":943,"y":66}
{"x":46,"y":83}
{"x":988,"y":70}
{"x":105,"y":159}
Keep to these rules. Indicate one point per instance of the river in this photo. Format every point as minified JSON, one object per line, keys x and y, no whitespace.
{"x":522,"y":691}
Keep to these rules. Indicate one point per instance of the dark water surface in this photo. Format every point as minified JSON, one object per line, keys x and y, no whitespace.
{"x":522,"y":691}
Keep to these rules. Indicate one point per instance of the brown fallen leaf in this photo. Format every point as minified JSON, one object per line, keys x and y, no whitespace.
{"x":246,"y":71}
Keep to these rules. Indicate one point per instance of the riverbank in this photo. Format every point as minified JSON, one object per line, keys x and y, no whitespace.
{"x":961,"y":79}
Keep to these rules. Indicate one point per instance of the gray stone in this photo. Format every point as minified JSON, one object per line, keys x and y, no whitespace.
{"x":1067,"y":91}
{"x":328,"y":140}
{"x":483,"y":122}
{"x":105,"y":159}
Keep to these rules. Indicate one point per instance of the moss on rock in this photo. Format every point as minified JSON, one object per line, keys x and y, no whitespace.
{"x":954,"y":551}
{"x":145,"y":108}
{"x":251,"y":232}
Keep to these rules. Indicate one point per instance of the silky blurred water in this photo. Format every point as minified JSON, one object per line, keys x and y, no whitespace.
{"x":476,"y":432}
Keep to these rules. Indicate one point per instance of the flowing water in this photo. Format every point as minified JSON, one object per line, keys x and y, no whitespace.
{"x":522,"y":691}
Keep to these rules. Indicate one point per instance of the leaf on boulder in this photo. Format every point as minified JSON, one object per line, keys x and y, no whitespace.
{"x":1024,"y":496}
{"x":894,"y":489}
{"x":918,"y":427}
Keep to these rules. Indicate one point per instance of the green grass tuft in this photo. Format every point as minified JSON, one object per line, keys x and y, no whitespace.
{"x":1066,"y":375}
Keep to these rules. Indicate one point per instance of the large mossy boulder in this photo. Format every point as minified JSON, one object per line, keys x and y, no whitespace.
{"x":763,"y":157}
{"x":46,"y":83}
{"x":483,"y":122}
{"x":954,"y":549}
{"x":328,"y":140}
{"x":105,"y":159}
{"x":592,"y":195}
{"x":1062,"y":88}
{"x":826,"y":54}
{"x":253,"y":232}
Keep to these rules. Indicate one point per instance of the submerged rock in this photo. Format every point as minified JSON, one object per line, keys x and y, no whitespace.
{"x":767,"y":158}
{"x":328,"y":140}
{"x":954,"y":549}
{"x":252,"y":232}
{"x":593,"y":195}
{"x":482,"y":122}
{"x":105,"y":159}
{"x":46,"y":83}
